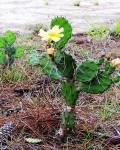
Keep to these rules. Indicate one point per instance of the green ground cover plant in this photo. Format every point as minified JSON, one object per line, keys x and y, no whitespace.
{"x":8,"y":52}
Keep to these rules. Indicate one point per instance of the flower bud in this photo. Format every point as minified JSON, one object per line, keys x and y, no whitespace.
{"x":115,"y":62}
{"x":50,"y":51}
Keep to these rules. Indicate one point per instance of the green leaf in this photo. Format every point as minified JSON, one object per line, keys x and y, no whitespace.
{"x":69,"y":93}
{"x":2,"y":56}
{"x":19,"y":51}
{"x":48,"y":67}
{"x":2,"y":42}
{"x":10,"y":37}
{"x":33,"y":140}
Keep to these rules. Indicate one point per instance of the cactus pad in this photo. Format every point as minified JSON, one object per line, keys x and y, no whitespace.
{"x":19,"y":51}
{"x":86,"y":71}
{"x":10,"y":51}
{"x":62,"y":23}
{"x":10,"y":60}
{"x":34,"y":58}
{"x":10,"y":37}
{"x":2,"y":56}
{"x":98,"y":85}
{"x":68,"y":119}
{"x":116,"y":79}
{"x":48,"y":67}
{"x":100,"y":61}
{"x":2,"y":42}
{"x":108,"y":68}
{"x":67,"y":65}
{"x":69,"y":93}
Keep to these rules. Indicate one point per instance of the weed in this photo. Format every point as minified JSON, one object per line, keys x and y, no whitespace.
{"x":77,"y":3}
{"x":84,"y":53}
{"x":106,"y":111}
{"x":39,"y":26}
{"x":11,"y":75}
{"x":98,"y":32}
{"x":116,"y":28}
{"x":46,"y":2}
{"x":96,"y":2}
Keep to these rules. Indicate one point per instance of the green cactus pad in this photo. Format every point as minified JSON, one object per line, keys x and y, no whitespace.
{"x":69,"y":93}
{"x":86,"y":71}
{"x":34,"y":58}
{"x":10,"y":51}
{"x":10,"y":60}
{"x":100,"y":61}
{"x":2,"y":56}
{"x":108,"y":68}
{"x":62,"y":22}
{"x":67,"y":65}
{"x":98,"y":85}
{"x":58,"y":56}
{"x":116,"y":79}
{"x":2,"y":42}
{"x":49,"y":67}
{"x":68,"y":119}
{"x":10,"y":37}
{"x":19,"y":51}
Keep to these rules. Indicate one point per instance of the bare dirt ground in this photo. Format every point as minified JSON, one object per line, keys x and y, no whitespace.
{"x":17,"y":15}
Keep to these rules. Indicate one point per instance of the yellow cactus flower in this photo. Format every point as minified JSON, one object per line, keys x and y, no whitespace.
{"x":115,"y":62}
{"x":44,"y":35}
{"x":50,"y":51}
{"x":53,"y":34}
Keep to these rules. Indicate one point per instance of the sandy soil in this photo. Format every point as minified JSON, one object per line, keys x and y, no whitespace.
{"x":17,"y":15}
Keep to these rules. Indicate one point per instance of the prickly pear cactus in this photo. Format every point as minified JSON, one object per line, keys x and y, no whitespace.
{"x":62,"y":22}
{"x":86,"y":71}
{"x":48,"y":67}
{"x":69,"y":93}
{"x":99,"y":84}
{"x":67,"y":65}
{"x":8,"y":52}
